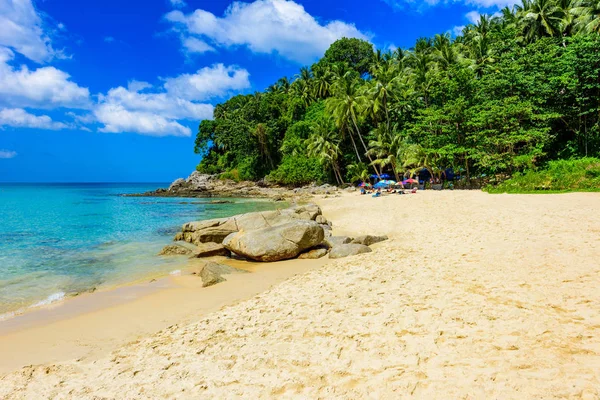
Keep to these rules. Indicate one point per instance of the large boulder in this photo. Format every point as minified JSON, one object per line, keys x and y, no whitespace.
{"x":350,"y":249}
{"x":368,"y":240}
{"x":333,"y":241}
{"x":216,"y":230}
{"x":275,"y":243}
{"x":210,"y":250}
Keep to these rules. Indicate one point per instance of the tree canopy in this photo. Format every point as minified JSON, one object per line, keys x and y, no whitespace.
{"x":509,"y":94}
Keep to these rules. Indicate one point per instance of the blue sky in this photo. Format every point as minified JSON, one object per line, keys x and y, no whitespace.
{"x":113,"y":90}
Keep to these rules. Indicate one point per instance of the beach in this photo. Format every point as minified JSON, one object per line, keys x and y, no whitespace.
{"x":473,"y":296}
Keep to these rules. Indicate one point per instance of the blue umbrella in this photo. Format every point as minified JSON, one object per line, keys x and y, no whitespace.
{"x":381,"y":185}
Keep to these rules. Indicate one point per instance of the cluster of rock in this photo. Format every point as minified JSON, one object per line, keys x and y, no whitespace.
{"x":204,"y":185}
{"x":295,"y":232}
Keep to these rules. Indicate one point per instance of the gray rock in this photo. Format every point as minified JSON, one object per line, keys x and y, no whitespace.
{"x":368,"y":240}
{"x":321,"y":219}
{"x":210,"y":250}
{"x":177,"y":249}
{"x":351,"y":249}
{"x":177,"y":184}
{"x":337,"y":240}
{"x":212,"y":272}
{"x":314,"y":254}
{"x":275,"y":243}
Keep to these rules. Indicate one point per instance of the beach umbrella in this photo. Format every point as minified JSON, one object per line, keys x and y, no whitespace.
{"x":364,"y":184}
{"x":381,"y":185}
{"x":404,"y":182}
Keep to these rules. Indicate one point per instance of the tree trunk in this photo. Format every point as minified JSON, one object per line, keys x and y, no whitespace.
{"x":365,"y":146}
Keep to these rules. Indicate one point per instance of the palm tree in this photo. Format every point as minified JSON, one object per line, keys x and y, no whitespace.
{"x":542,"y":18}
{"x":323,"y":143}
{"x":388,"y":149}
{"x":420,"y":61}
{"x":345,"y":106}
{"x":588,"y":15}
{"x":444,"y":53}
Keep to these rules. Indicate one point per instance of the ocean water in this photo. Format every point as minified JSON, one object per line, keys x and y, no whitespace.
{"x":57,"y":240}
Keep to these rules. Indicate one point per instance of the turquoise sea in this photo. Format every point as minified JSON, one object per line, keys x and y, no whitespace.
{"x":60,"y":239}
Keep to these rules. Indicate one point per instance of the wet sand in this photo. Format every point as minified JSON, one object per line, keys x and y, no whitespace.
{"x":473,"y":296}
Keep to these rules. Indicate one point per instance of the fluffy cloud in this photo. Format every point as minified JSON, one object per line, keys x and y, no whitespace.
{"x":140,"y":109}
{"x":21,"y":30}
{"x":118,"y":119}
{"x":265,"y":26}
{"x":19,"y":118}
{"x":208,"y":82}
{"x":45,"y":87}
{"x":194,"y":45}
{"x":7,"y":154}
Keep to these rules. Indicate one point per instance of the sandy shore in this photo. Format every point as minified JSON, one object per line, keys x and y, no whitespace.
{"x":473,"y":296}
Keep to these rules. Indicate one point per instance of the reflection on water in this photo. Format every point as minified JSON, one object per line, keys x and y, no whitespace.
{"x":59,"y":240}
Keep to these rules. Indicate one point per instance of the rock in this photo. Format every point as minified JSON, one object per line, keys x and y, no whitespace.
{"x":314,"y":254}
{"x":275,"y":243}
{"x":321,"y":219}
{"x":368,"y":240}
{"x":351,"y":249}
{"x":337,"y":240}
{"x":220,"y":202}
{"x":210,"y":249}
{"x":177,"y":249}
{"x":212,"y":271}
{"x":176,"y":185}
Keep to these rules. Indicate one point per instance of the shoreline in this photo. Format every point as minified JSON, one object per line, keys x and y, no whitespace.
{"x":77,"y":327}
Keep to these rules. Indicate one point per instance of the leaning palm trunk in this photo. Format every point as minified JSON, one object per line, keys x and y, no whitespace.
{"x":365,"y":146}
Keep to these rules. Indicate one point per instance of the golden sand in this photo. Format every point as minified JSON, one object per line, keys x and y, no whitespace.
{"x":474,"y":296}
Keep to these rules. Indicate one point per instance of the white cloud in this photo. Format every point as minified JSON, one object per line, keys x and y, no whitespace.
{"x":117,"y":119}
{"x":21,"y":30}
{"x":208,"y":82}
{"x":7,"y":154}
{"x":194,"y":45}
{"x":265,"y":26}
{"x":473,"y":16}
{"x":492,"y":3}
{"x":45,"y":87}
{"x":458,"y":30}
{"x":109,"y":39}
{"x":158,"y":112}
{"x":19,"y":118}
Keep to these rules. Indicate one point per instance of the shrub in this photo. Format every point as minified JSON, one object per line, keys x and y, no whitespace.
{"x":298,"y":170}
{"x":559,"y":176}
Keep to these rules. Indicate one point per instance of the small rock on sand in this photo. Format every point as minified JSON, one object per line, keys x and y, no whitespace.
{"x":350,"y":249}
{"x":212,"y":272}
{"x":337,"y":240}
{"x":368,"y":240}
{"x":210,"y":249}
{"x":313,"y":254}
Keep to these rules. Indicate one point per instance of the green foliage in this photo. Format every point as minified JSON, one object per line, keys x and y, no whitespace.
{"x":560,"y":176}
{"x":511,"y":93}
{"x":356,"y":53}
{"x":296,"y":171}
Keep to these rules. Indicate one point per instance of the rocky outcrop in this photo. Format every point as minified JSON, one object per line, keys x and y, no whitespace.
{"x":368,"y":240}
{"x":350,"y":249}
{"x":212,"y":273}
{"x":275,"y":243}
{"x":204,"y":185}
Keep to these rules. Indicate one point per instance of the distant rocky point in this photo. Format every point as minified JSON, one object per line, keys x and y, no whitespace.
{"x":205,"y":185}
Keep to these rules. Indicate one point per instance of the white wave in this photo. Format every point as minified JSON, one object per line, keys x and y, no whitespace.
{"x":53,"y":298}
{"x":176,"y":272}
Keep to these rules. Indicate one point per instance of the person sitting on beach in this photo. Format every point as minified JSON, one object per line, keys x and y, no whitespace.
{"x":363,"y":191}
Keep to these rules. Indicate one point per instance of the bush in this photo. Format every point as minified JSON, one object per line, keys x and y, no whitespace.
{"x":298,"y":171}
{"x":559,"y":176}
